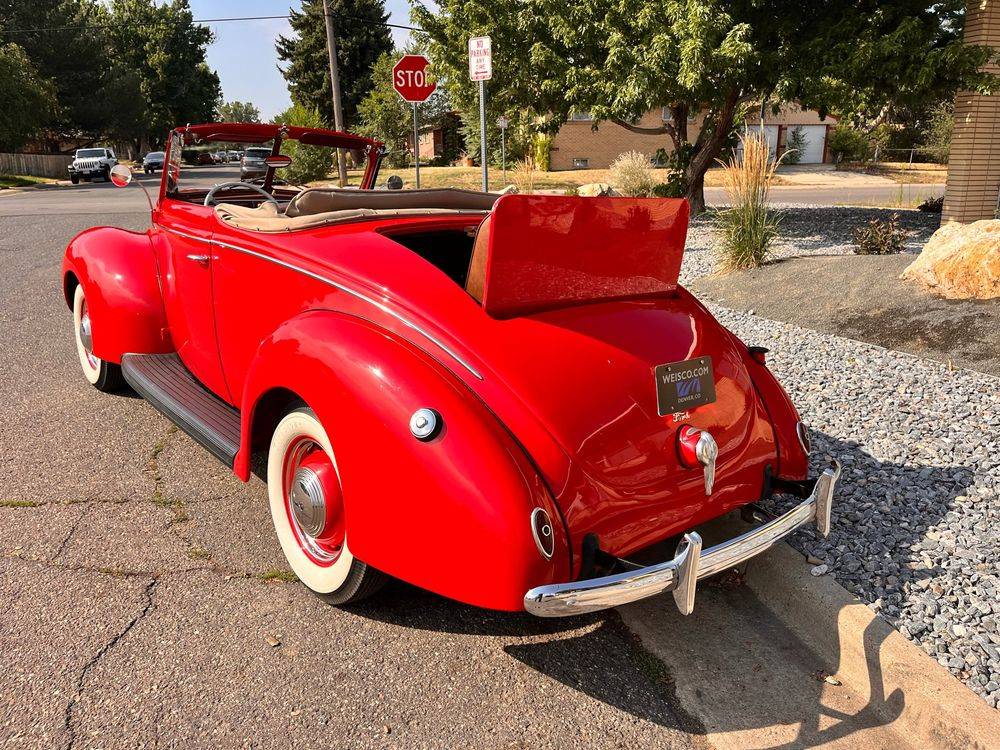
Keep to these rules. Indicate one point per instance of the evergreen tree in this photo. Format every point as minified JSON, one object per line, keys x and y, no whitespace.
{"x":29,"y":100}
{"x":361,"y":37}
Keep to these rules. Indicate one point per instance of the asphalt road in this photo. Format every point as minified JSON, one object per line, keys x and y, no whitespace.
{"x":142,"y":591}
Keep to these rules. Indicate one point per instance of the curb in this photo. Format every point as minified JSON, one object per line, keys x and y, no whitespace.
{"x":783,"y":659}
{"x":938,"y":711}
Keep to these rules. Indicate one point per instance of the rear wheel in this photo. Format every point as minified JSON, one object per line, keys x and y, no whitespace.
{"x":104,"y":376}
{"x":303,"y":487}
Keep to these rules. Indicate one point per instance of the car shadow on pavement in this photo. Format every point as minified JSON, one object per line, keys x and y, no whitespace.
{"x":738,"y":662}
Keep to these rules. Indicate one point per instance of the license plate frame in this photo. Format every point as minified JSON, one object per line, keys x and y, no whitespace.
{"x":684,"y":385}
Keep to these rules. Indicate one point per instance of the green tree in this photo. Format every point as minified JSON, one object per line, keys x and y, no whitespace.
{"x":29,"y":100}
{"x":75,"y":61}
{"x":935,"y":141}
{"x":383,"y":115}
{"x":362,"y":37}
{"x":237,"y":111}
{"x":165,"y":51}
{"x":309,"y":163}
{"x":620,"y":58}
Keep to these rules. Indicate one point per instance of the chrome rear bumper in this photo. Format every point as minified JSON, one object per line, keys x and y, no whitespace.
{"x":691,"y":563}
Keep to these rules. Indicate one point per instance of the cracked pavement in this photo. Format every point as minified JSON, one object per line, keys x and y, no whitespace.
{"x":147,"y":603}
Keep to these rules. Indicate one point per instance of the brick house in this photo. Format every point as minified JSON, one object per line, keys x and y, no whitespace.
{"x":578,"y":145}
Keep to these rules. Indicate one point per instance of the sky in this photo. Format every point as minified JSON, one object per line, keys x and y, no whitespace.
{"x":243,"y":52}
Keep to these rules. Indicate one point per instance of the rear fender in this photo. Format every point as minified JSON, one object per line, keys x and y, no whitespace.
{"x":452,"y":514}
{"x":117,"y":269}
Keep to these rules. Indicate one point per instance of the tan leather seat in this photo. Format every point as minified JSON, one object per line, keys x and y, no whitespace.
{"x":475,"y":281}
{"x":327,"y":200}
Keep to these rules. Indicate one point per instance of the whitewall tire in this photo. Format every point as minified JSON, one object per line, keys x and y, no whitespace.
{"x":304,"y":494}
{"x":105,"y":376}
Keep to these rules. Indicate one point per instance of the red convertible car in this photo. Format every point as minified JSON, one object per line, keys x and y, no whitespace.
{"x":499,"y":399}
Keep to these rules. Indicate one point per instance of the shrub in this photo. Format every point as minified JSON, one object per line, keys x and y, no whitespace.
{"x":849,"y":144}
{"x":879,"y":237}
{"x":632,"y":175}
{"x":748,"y":226}
{"x":571,"y":191}
{"x":308,"y":162}
{"x":932,"y":205}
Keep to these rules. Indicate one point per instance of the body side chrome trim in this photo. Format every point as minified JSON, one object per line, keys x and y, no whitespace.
{"x":353,"y":292}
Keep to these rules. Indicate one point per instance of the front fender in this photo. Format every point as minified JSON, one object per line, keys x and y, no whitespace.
{"x":451,"y":515}
{"x":117,"y":269}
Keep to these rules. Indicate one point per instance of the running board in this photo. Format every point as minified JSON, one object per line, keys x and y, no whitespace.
{"x":171,"y":389}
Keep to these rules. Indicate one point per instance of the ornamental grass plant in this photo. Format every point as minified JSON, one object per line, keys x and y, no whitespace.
{"x":748,"y":227}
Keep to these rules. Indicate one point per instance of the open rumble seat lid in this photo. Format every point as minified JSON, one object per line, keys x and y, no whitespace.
{"x":544,"y":252}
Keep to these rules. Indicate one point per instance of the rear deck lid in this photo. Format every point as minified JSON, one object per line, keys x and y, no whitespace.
{"x":545,"y":252}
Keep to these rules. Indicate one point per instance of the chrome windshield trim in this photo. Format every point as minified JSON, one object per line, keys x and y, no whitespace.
{"x":681,"y":574}
{"x":323,"y":279}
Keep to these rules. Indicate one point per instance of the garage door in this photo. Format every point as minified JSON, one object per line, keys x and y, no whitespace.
{"x":771,"y":131}
{"x":811,"y":152}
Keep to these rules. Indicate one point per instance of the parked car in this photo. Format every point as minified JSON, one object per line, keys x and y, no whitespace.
{"x":89,"y":163}
{"x":499,"y":399}
{"x":220,"y":157}
{"x":252,"y":164}
{"x":153,"y":162}
{"x":235,"y":155}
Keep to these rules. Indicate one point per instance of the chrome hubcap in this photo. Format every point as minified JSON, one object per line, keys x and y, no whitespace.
{"x":308,"y":501}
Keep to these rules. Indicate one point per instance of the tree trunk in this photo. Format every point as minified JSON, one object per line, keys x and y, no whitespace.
{"x":707,"y":148}
{"x":696,"y":192}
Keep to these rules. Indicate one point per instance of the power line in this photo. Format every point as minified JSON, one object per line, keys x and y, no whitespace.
{"x":86,"y":27}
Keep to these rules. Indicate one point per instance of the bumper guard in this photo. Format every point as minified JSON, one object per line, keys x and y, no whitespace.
{"x":690,"y":564}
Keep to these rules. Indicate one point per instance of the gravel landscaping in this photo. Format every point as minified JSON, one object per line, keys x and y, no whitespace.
{"x":917,"y":517}
{"x":807,"y":230}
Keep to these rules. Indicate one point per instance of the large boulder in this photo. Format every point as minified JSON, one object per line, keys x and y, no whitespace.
{"x":960,"y":261}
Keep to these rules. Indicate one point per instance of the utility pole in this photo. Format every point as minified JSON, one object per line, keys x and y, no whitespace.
{"x":338,"y":112}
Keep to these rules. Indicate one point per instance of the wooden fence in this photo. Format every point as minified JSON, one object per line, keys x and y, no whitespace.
{"x":37,"y":165}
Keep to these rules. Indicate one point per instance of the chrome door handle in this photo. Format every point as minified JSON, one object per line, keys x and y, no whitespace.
{"x":201,"y":260}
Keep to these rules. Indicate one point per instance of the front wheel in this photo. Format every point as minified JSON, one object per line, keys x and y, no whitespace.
{"x":104,"y":376}
{"x":75,"y":179}
{"x":307,"y":507}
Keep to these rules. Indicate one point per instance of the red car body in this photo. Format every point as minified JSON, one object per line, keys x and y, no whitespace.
{"x":544,"y":384}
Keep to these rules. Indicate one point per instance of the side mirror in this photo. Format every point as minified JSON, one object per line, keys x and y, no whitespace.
{"x":121,"y":176}
{"x":277,"y":162}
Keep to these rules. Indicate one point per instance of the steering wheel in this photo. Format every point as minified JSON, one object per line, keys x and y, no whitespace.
{"x":210,"y":197}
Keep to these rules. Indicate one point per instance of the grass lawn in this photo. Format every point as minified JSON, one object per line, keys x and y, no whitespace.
{"x":20,"y":180}
{"x":470,"y":178}
{"x":902,"y":172}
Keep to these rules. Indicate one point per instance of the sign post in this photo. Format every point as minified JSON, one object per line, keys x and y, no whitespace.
{"x":409,"y":79}
{"x":502,"y":123}
{"x":481,"y":70}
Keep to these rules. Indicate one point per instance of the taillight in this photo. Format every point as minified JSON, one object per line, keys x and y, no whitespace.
{"x":687,"y":446}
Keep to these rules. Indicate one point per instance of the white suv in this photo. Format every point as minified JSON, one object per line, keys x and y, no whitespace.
{"x":92,"y":162}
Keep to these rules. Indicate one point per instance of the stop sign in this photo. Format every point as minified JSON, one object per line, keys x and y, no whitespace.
{"x":409,"y":78}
